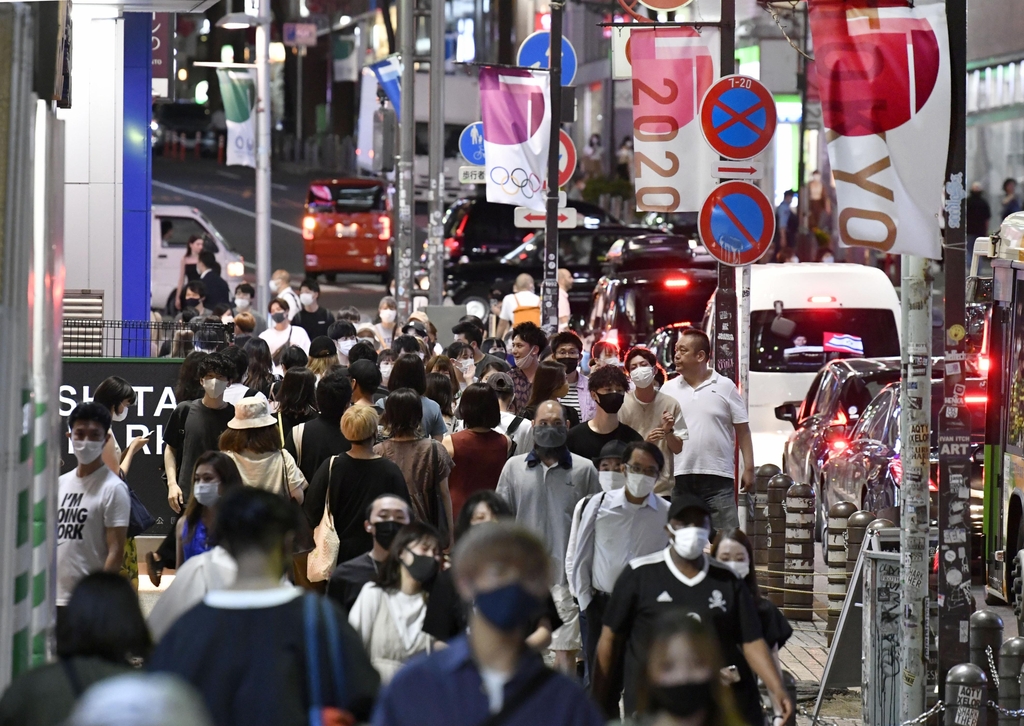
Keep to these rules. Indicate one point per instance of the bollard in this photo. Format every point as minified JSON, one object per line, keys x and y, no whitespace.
{"x":966,"y":687}
{"x":790,"y":683}
{"x":1011,"y":657}
{"x":798,"y":598}
{"x":855,"y":530}
{"x":199,"y":143}
{"x":760,"y":522}
{"x":181,"y":146}
{"x":775,"y":537}
{"x":835,"y":559}
{"x":220,"y":148}
{"x":986,"y":635}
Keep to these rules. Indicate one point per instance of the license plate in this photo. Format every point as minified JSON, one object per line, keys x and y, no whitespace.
{"x":345,"y":230}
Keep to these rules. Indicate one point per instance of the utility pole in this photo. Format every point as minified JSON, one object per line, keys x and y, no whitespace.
{"x":549,"y":287}
{"x":954,"y":577}
{"x":406,"y":146}
{"x":915,"y":438}
{"x":300,"y":52}
{"x":263,"y":265}
{"x":435,"y":230}
{"x":726,"y":332}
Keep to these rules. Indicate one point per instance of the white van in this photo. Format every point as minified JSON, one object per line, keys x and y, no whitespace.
{"x":172,"y":226}
{"x":803,"y":315}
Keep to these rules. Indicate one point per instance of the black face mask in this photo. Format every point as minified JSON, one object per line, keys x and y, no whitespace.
{"x":610,"y":402}
{"x":683,"y":700}
{"x":423,"y":568}
{"x":384,"y":532}
{"x":570,"y":364}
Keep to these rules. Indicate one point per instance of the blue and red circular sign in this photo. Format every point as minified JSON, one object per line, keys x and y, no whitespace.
{"x":737,"y":117}
{"x":736,"y":223}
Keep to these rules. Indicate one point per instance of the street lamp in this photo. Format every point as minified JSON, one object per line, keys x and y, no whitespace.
{"x":239,"y":21}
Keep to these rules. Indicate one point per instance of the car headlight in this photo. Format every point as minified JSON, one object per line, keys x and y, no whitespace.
{"x":424,"y":283}
{"x":153,"y":125}
{"x":236,"y":269}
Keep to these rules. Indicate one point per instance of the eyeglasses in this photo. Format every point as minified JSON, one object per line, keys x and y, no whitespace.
{"x":648,"y":471}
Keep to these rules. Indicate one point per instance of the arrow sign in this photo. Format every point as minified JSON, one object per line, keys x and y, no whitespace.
{"x":737,"y":117}
{"x":736,"y":223}
{"x":531,"y":218}
{"x":737,"y":170}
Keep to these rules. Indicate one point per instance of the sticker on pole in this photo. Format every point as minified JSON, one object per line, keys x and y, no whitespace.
{"x":737,"y":117}
{"x":535,"y":52}
{"x":566,"y":158}
{"x":736,"y":223}
{"x":471,"y":143}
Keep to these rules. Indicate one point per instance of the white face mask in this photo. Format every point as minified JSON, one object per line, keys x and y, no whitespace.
{"x":120,"y":416}
{"x":387,"y":315}
{"x":740,"y":569}
{"x":611,"y":480}
{"x":207,"y":493}
{"x":524,"y":361}
{"x":639,"y":485}
{"x":385,"y":372}
{"x":87,"y":451}
{"x":242,"y":303}
{"x":306,"y":298}
{"x":215,"y":387}
{"x":610,"y":362}
{"x":345,"y":346}
{"x":690,"y":542}
{"x":642,"y":377}
{"x":467,"y":366}
{"x":275,"y":285}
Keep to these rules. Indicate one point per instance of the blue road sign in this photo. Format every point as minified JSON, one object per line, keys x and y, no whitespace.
{"x":736,"y":223}
{"x":535,"y":53}
{"x":737,"y":117}
{"x":471,"y":143}
{"x":389,"y":75}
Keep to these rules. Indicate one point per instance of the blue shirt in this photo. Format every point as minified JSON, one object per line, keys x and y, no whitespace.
{"x":445,"y":689}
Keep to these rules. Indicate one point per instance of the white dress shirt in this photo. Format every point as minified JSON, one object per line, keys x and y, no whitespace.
{"x":610,"y":532}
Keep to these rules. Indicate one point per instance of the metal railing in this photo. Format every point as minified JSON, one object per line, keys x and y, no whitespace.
{"x":91,"y":338}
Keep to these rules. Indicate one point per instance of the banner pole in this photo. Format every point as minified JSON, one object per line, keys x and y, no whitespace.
{"x":549,"y":287}
{"x":406,"y":143}
{"x":435,"y":130}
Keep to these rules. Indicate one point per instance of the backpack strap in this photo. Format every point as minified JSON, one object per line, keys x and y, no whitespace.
{"x":297,"y":439}
{"x":514,"y":425}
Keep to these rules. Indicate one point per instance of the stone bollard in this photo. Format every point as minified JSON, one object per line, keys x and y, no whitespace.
{"x":1011,"y":657}
{"x":855,"y":530}
{"x":775,"y":537}
{"x":966,"y":689}
{"x":798,"y":598}
{"x":835,"y":558}
{"x":986,"y":635}
{"x":760,"y":522}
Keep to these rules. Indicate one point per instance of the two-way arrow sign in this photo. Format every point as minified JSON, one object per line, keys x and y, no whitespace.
{"x":526,"y":217}
{"x":737,"y":170}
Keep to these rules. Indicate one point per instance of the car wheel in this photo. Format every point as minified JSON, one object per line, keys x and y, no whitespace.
{"x":477,"y":305}
{"x":385,"y":279}
{"x":330,"y":277}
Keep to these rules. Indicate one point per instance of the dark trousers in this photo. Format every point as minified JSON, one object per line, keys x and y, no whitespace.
{"x":591,"y":624}
{"x":167,"y":552}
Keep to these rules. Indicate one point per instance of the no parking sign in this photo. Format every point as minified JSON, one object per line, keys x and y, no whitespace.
{"x":736,"y":223}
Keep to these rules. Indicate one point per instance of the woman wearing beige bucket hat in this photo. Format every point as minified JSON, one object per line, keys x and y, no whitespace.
{"x":253,"y":441}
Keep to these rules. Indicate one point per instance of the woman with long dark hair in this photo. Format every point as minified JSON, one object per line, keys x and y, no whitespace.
{"x":188,"y":387}
{"x":439,"y":390}
{"x":410,"y":568}
{"x":296,"y":399}
{"x":408,"y":372}
{"x":479,"y":452}
{"x":549,"y":384}
{"x":215,"y":475}
{"x":259,"y":376}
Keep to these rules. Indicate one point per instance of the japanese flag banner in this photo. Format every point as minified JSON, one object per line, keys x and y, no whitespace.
{"x":672,"y":70}
{"x":517,"y":128}
{"x":884,"y":77}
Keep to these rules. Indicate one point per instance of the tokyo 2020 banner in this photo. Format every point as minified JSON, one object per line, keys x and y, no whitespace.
{"x":884,"y":78}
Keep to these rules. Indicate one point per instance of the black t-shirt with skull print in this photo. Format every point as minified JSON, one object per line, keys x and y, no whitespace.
{"x":653,"y":585}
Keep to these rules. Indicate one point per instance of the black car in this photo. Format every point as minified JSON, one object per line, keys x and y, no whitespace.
{"x":833,"y":405}
{"x":629,"y":308}
{"x":475,"y":229}
{"x":659,"y":250}
{"x":865,"y":468}
{"x":581,"y":251}
{"x":188,"y":120}
{"x":683,"y":224}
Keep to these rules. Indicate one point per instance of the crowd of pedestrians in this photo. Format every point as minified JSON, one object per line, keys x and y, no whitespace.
{"x":374,"y":527}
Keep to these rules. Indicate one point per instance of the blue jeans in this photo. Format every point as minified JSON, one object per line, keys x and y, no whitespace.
{"x":717,"y":492}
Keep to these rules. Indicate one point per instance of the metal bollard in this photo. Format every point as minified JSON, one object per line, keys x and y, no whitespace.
{"x":760,"y":522}
{"x":986,"y":635}
{"x":835,"y":558}
{"x":1011,"y":657}
{"x":855,"y":529}
{"x":966,"y":688}
{"x":798,"y":598}
{"x":775,"y":538}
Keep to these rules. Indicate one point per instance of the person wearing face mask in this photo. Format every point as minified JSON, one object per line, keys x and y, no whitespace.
{"x":118,"y":395}
{"x":93,"y":506}
{"x":366,"y":379}
{"x":343,"y":333}
{"x":251,"y":636}
{"x":733,"y":549}
{"x":683,"y":577}
{"x":385,"y":364}
{"x":608,"y":387}
{"x":214,"y":476}
{"x":550,"y":384}
{"x":388,"y":614}
{"x":567,"y":349}
{"x":281,"y":287}
{"x":312,"y":318}
{"x":615,"y":527}
{"x":516,"y":427}
{"x":385,"y":516}
{"x":470,"y":331}
{"x":604,"y":353}
{"x":387,"y":321}
{"x":245,"y":294}
{"x":527,"y":342}
{"x":502,"y":572}
{"x":281,"y":335}
{"x":653,"y":414}
{"x":195,"y":294}
{"x":542,"y":487}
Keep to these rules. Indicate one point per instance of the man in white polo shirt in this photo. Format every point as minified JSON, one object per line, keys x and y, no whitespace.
{"x":715,"y":418}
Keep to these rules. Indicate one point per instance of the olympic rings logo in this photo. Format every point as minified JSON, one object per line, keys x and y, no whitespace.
{"x":517,"y":181}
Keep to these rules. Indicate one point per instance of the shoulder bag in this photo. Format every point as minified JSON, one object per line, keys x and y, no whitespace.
{"x":304,"y":532}
{"x":315,"y":609}
{"x":324,"y":555}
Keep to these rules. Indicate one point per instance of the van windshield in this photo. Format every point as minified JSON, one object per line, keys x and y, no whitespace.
{"x":812,"y":337}
{"x":342,"y":198}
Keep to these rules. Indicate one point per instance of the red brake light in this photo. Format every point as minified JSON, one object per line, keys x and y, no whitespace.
{"x":839,"y":445}
{"x":896,"y":471}
{"x":821,"y":299}
{"x":976,"y":399}
{"x":984,"y":363}
{"x":840,"y":419}
{"x":308,"y":225}
{"x":677,"y":283}
{"x":385,"y":228}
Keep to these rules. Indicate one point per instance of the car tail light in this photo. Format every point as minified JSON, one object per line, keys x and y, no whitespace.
{"x":308,"y":225}
{"x":385,"y":228}
{"x":841,"y":419}
{"x":984,"y":363}
{"x":453,"y":246}
{"x":896,"y":472}
{"x":677,"y":283}
{"x":981,"y":398}
{"x":839,"y":445}
{"x":821,"y":299}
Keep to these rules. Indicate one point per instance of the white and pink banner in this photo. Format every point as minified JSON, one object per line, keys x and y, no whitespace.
{"x":884,"y":78}
{"x":517,"y":129}
{"x":672,"y":69}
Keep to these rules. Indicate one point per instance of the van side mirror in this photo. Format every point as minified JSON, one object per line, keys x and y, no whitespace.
{"x":787,"y":412}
